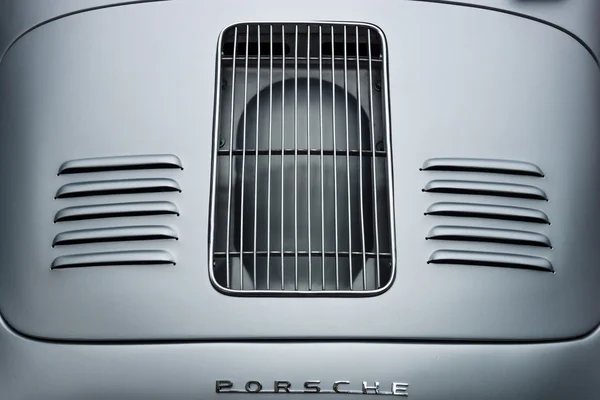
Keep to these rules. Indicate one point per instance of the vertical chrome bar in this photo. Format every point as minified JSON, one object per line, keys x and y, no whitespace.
{"x":376,"y":216}
{"x":389,"y":204}
{"x":282,"y":147}
{"x":256,"y":154}
{"x":242,"y":182}
{"x":308,"y":157}
{"x":229,"y":187}
{"x":296,"y":162}
{"x":348,"y":156}
{"x":335,"y":192}
{"x":360,"y":163}
{"x":270,"y":151}
{"x":321,"y":156}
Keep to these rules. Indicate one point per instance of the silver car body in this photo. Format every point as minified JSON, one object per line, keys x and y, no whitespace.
{"x":485,"y":97}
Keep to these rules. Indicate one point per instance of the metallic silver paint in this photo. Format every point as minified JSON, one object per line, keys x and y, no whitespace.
{"x":546,"y":118}
{"x":34,"y":369}
{"x":137,"y":365}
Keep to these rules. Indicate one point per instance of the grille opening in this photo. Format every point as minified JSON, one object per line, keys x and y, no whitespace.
{"x":307,"y":210}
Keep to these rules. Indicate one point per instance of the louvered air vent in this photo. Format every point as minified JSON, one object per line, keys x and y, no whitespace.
{"x":301,"y":200}
{"x":524,"y":219}
{"x":117,"y":200}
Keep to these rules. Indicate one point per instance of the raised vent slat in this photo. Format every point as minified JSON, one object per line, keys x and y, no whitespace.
{"x":482,"y":165}
{"x":472,"y":210}
{"x":114,"y":258}
{"x":133,"y":209}
{"x":477,"y":258}
{"x":485,"y":189}
{"x":120,"y":163}
{"x":473,"y":234}
{"x":114,"y":234}
{"x":119,"y":186}
{"x":301,"y":198}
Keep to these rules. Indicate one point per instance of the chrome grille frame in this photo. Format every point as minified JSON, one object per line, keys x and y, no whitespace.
{"x":323,"y":28}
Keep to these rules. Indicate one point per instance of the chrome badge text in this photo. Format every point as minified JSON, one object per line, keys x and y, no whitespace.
{"x":313,"y":387}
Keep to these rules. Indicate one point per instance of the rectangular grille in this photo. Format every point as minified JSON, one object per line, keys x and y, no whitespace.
{"x":301,"y":196}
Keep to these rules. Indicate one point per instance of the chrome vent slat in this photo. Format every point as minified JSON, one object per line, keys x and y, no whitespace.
{"x":459,"y":257}
{"x":114,"y":210}
{"x":486,"y":189}
{"x":115,"y":234}
{"x":509,"y":215}
{"x":120,"y":163}
{"x":492,"y":235}
{"x":117,"y":187}
{"x":149,"y":191}
{"x":272,"y":241}
{"x":114,"y":258}
{"x":488,"y":211}
{"x":482,"y":165}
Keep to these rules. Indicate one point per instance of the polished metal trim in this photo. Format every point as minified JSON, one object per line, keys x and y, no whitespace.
{"x":244,"y":151}
{"x":492,"y":166}
{"x":386,"y":127}
{"x":114,"y":258}
{"x":360,"y":163}
{"x":312,"y":387}
{"x":497,"y":189}
{"x":490,"y":259}
{"x":230,"y":171}
{"x":490,"y":235}
{"x":115,"y":234}
{"x":335,"y":168}
{"x":116,"y":210}
{"x":488,"y":211}
{"x":117,"y":187}
{"x":120,"y":163}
